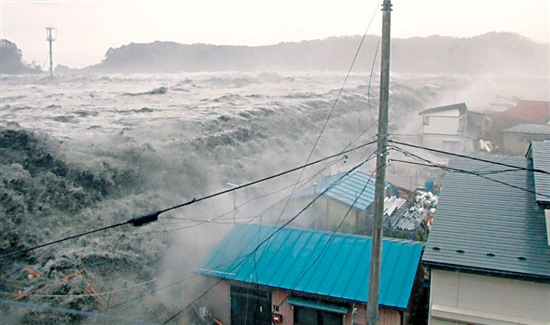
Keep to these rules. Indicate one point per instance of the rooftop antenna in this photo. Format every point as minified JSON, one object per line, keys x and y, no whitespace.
{"x":50,"y":38}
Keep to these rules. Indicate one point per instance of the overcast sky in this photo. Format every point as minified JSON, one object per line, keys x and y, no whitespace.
{"x":87,"y":29}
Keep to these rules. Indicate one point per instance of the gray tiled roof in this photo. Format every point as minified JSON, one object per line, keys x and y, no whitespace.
{"x":529,"y":128}
{"x":539,"y":152}
{"x":461,"y":107}
{"x":487,"y":226}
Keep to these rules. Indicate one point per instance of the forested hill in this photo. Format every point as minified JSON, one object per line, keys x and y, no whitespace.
{"x":499,"y":53}
{"x":11,"y":62}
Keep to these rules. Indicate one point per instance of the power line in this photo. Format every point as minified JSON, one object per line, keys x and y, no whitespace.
{"x":479,"y":174}
{"x":220,"y":217}
{"x":266,"y":178}
{"x":137,"y":222}
{"x":434,"y":165}
{"x":153,"y":216}
{"x":268,"y":238}
{"x":470,"y":157}
{"x":333,"y":107}
{"x":370,"y":79}
{"x":331,"y":236}
{"x":212,"y":220}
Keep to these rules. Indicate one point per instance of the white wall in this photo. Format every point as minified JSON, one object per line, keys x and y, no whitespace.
{"x":441,"y":125}
{"x":459,"y":298}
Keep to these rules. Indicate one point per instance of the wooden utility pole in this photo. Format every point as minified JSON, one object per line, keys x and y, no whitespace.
{"x":379,"y":194}
{"x":50,"y":38}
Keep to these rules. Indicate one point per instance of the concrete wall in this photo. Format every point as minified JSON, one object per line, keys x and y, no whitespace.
{"x":460,"y":298}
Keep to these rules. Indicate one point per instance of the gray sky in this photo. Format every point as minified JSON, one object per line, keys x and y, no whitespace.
{"x":86,"y":29}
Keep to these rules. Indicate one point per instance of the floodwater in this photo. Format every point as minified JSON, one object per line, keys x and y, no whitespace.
{"x":82,"y":152}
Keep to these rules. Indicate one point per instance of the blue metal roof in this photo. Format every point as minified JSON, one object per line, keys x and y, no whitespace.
{"x":345,"y":188}
{"x":320,"y":263}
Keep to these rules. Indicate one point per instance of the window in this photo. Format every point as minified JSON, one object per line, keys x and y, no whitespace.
{"x":250,"y":306}
{"x":309,"y":311}
{"x":426,"y":120}
{"x":310,"y":316}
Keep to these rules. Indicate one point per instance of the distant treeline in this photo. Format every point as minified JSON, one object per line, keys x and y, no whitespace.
{"x":491,"y":53}
{"x":10,"y":60}
{"x":499,"y":53}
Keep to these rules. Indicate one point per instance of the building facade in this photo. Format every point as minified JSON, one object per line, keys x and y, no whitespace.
{"x":446,"y":128}
{"x":488,"y":252}
{"x":261,"y":275}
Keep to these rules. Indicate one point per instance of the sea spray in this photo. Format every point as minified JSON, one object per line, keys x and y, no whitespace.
{"x":97,"y":157}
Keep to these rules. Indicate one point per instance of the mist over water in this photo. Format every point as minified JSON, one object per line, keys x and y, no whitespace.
{"x":85,"y":151}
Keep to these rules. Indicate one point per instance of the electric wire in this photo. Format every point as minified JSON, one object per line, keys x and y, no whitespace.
{"x":482,"y":175}
{"x":62,"y":240}
{"x":220,"y":217}
{"x":153,"y":216}
{"x":261,"y":213}
{"x":318,"y":257}
{"x":251,"y":218}
{"x":240,"y":257}
{"x":268,"y":237}
{"x":333,"y":107}
{"x":324,"y":126}
{"x":200,"y":222}
{"x":266,"y":178}
{"x":470,"y":157}
{"x":370,"y":79}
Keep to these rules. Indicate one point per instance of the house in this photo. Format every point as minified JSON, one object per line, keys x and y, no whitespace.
{"x":516,"y":139}
{"x":446,"y":128}
{"x":539,"y":154}
{"x":488,"y":253}
{"x":347,"y":202}
{"x":523,"y":112}
{"x":261,"y":274}
{"x":527,"y":112}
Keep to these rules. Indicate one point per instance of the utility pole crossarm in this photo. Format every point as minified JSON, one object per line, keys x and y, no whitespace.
{"x":378,"y":218}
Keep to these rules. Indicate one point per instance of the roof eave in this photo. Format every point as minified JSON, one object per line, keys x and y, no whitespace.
{"x":487,"y":272}
{"x":336,"y":299}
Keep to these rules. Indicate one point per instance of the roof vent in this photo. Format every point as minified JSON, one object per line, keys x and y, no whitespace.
{"x":490,"y":254}
{"x":460,"y":251}
{"x":436,"y":248}
{"x":521,"y":258}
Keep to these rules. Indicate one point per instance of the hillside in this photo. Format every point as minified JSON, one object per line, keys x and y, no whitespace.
{"x":499,"y":53}
{"x":10,"y":60}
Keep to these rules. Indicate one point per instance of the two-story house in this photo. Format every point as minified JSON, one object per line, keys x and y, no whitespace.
{"x":446,"y":128}
{"x":488,"y":253}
